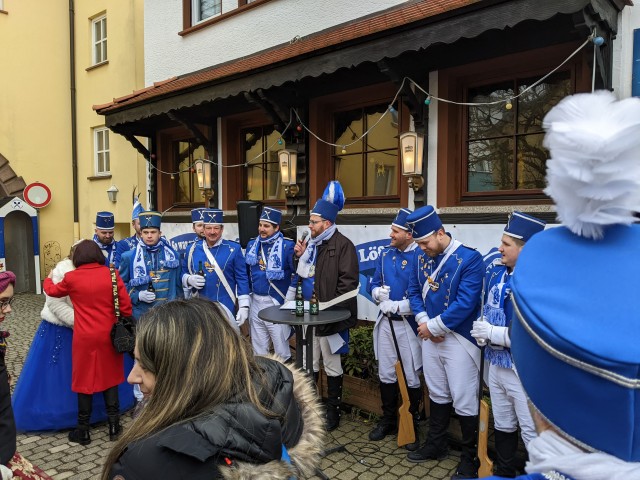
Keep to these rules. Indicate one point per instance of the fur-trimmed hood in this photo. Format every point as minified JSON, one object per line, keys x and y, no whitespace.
{"x":59,"y":311}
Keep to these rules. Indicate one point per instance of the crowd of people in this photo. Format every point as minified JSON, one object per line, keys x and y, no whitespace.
{"x":209,"y":400}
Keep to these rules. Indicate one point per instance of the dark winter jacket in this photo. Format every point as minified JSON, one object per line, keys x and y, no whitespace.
{"x":337,"y":273}
{"x":237,"y":433}
{"x":7,"y":423}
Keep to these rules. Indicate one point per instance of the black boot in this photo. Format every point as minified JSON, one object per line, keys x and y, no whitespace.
{"x":506,"y":448}
{"x":469,"y":463}
{"x":81,"y":433}
{"x":435,"y":447}
{"x":415,"y":394}
{"x":334,"y":394}
{"x":388,"y":424}
{"x":112,"y":404}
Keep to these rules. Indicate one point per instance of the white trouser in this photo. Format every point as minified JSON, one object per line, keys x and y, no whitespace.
{"x":387,"y":355}
{"x":331,"y":361}
{"x":509,"y":403}
{"x":262,"y":332}
{"x":451,"y":374}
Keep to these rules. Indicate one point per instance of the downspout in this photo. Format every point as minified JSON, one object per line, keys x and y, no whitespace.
{"x":74,"y":119}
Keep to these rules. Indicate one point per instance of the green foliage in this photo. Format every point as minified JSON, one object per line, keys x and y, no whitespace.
{"x":360,"y":362}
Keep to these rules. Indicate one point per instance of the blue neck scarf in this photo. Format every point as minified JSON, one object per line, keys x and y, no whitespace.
{"x":139,"y":268}
{"x":308,"y":258}
{"x":494,"y":311}
{"x":109,"y":251}
{"x":275,"y":246}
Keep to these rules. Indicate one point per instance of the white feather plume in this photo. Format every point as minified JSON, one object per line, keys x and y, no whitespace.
{"x":593,"y":173}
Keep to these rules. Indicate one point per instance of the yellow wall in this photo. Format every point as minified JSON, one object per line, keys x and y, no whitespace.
{"x":35,"y":108}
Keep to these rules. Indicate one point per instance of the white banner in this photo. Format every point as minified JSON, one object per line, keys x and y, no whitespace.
{"x":369,"y":240}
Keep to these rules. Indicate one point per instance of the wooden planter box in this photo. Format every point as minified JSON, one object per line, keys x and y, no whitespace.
{"x":359,"y":393}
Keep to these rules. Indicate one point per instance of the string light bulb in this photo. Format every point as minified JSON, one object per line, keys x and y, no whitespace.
{"x":427,"y":100}
{"x":173,"y":177}
{"x":509,"y":105}
{"x":391,"y":109}
{"x":299,"y":128}
{"x":598,"y":41}
{"x":279,"y":141}
{"x":344,"y":150}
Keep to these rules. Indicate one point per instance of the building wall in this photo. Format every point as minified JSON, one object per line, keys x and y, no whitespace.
{"x":272,"y":23}
{"x":623,"y":58}
{"x":35,"y":110}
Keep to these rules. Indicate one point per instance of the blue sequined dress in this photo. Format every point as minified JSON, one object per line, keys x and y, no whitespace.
{"x":42,"y":399}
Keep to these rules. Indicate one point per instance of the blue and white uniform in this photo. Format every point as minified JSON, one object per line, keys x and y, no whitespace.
{"x":393,"y":269}
{"x":230,"y":260}
{"x":267,"y":292}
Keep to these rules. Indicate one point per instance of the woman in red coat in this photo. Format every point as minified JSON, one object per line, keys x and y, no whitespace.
{"x":96,"y":366}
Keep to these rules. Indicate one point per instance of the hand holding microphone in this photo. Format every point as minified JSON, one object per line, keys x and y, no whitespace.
{"x":301,"y":245}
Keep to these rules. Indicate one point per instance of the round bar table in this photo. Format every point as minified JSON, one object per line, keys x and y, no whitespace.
{"x":304,"y":337}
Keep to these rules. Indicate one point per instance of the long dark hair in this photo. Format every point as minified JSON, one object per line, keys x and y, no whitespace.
{"x":87,"y":251}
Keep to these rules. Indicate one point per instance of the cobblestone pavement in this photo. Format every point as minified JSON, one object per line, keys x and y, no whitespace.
{"x":54,"y":454}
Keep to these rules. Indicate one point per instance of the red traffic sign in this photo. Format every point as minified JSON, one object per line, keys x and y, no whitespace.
{"x":37,"y":195}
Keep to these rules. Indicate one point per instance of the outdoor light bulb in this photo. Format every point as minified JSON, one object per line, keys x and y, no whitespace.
{"x":427,"y":100}
{"x":598,"y":41}
{"x":508,"y":106}
{"x":279,"y":141}
{"x":343,"y":151}
{"x":173,"y":177}
{"x":299,"y":128}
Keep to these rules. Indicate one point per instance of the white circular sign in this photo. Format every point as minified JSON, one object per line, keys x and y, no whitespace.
{"x":37,"y":194}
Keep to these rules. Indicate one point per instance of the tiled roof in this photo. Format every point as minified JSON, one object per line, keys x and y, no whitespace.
{"x":389,"y":19}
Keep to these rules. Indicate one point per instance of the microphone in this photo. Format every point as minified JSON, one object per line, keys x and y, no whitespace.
{"x":305,"y":234}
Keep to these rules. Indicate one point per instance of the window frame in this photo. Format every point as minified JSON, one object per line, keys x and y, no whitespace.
{"x":261,"y":165}
{"x":102,"y":41}
{"x":97,"y":131}
{"x":189,"y":26}
{"x":195,"y":9}
{"x":451,"y":165}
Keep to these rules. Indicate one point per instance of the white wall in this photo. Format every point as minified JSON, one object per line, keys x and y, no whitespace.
{"x":628,"y":20}
{"x":168,"y":54}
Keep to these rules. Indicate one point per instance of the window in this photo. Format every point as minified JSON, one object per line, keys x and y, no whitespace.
{"x":186,"y":184}
{"x":99,"y":29}
{"x":263,"y":174}
{"x":504,"y":151}
{"x":369,"y":167}
{"x":101,"y":151}
{"x":203,"y":9}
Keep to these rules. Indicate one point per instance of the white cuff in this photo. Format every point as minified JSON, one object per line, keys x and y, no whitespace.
{"x":374,"y":294}
{"x":291,"y":294}
{"x":500,"y":336}
{"x":437,"y":327}
{"x":404,"y":307}
{"x":421,"y":318}
{"x":184,"y":281}
{"x":244,"y":301}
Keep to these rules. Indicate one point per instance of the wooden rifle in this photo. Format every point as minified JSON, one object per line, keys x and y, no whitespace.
{"x":406,"y":431}
{"x":486,"y":464}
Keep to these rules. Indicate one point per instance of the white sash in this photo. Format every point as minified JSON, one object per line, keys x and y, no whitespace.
{"x":219,"y":272}
{"x":270,"y":282}
{"x":434,"y":275}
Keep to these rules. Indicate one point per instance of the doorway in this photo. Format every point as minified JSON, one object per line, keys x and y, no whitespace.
{"x":18,"y":240}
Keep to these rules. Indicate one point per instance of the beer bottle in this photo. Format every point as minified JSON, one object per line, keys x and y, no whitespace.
{"x":314,"y":307}
{"x":150,"y":287}
{"x":299,"y":299}
{"x":200,"y":270}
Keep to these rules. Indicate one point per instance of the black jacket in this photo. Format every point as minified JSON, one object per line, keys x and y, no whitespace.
{"x":336,"y":274}
{"x":7,"y":423}
{"x":236,"y":431}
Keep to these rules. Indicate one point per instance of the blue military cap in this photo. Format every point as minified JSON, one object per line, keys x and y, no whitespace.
{"x":150,"y":219}
{"x":213,"y":216}
{"x":401,"y":219}
{"x":523,"y":226}
{"x":271,"y":215}
{"x":575,"y":339}
{"x":197,"y":215}
{"x":105,"y":221}
{"x":137,"y":207}
{"x":423,"y":222}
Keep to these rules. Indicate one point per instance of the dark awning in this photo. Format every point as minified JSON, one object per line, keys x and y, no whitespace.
{"x":415,"y":26}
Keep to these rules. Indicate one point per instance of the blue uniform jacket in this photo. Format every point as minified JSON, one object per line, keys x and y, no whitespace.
{"x":166,"y":281}
{"x":258,"y":282}
{"x":457,"y":300}
{"x":393,"y":268}
{"x":231,"y":261}
{"x":124,"y":246}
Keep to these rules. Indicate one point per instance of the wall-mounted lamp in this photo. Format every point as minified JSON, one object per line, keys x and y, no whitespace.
{"x":288,"y":160}
{"x":112,"y":192}
{"x":203,"y":173}
{"x":411,"y":149}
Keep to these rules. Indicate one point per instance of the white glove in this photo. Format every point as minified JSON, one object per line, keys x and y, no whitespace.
{"x":481,"y":331}
{"x":5,"y":473}
{"x":389,"y":306}
{"x":291,"y":294}
{"x":196,"y":281}
{"x":242,"y":315}
{"x":146,"y":296}
{"x":500,"y":336}
{"x":381,"y":294}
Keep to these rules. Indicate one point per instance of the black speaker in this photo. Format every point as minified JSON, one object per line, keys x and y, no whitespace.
{"x":248,"y":217}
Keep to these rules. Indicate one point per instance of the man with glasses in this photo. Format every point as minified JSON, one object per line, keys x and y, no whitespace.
{"x":105,"y":225}
{"x":215,"y":268}
{"x":329,"y":265}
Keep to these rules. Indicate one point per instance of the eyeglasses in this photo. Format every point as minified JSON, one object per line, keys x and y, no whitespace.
{"x":315,"y":222}
{"x":6,"y":303}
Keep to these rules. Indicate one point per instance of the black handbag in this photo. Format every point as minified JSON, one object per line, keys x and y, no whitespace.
{"x":123,"y":332}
